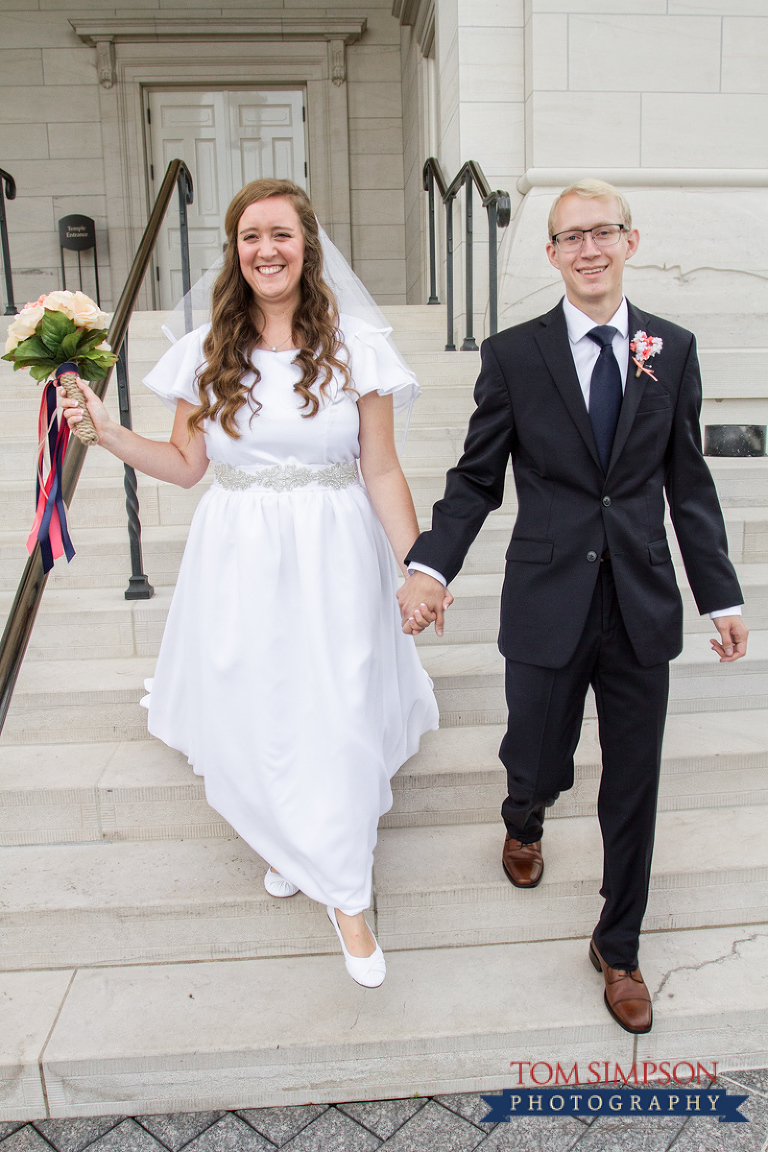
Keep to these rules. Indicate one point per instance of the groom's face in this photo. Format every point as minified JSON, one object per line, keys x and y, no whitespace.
{"x":592,"y":275}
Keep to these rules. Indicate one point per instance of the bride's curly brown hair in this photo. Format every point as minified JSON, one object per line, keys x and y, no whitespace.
{"x":235,"y":332}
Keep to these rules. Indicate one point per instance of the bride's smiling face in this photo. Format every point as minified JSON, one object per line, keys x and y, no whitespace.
{"x":270,"y":247}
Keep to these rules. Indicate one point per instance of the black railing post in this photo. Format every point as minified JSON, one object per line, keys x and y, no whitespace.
{"x":433,"y":297}
{"x":185,"y":198}
{"x":493,"y":287}
{"x":10,"y":191}
{"x":469,"y":344}
{"x":139,"y":587}
{"x":450,"y":346}
{"x":499,"y":209}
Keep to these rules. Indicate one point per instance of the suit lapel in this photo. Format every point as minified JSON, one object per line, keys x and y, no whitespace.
{"x":552,"y":339}
{"x":633,"y":388}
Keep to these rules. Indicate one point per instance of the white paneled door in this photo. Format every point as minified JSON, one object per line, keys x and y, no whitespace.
{"x":226,"y":140}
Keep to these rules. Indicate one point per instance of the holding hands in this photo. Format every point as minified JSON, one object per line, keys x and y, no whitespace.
{"x":423,"y":601}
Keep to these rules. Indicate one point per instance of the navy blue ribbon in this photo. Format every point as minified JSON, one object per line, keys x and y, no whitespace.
{"x":58,"y":435}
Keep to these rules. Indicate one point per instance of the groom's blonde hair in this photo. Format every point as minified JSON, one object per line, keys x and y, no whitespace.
{"x":592,"y":190}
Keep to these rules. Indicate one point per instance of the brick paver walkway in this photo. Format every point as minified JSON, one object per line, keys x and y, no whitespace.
{"x":437,"y":1124}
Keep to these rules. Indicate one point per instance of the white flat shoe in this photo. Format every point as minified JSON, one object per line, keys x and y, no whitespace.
{"x":277,"y":885}
{"x":369,"y":971}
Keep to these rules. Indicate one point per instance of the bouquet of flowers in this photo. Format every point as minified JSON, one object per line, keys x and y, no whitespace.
{"x":57,"y":338}
{"x":62,"y":334}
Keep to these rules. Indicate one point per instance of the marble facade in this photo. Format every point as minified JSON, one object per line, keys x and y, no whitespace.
{"x":667,"y":97}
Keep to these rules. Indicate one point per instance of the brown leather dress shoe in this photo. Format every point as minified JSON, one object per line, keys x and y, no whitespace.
{"x":626,"y":996}
{"x":523,"y":863}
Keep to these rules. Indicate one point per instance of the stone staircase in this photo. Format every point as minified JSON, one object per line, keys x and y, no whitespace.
{"x":143,"y":968}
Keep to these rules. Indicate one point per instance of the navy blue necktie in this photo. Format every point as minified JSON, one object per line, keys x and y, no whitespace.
{"x":605,"y":393}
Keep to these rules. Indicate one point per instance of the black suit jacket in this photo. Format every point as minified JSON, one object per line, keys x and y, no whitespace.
{"x":530,"y":406}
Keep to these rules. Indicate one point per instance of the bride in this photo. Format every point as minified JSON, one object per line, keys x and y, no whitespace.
{"x":283,"y":673}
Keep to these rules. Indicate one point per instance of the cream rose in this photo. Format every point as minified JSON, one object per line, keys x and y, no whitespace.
{"x":86,"y":313}
{"x":25,"y":323}
{"x":61,"y":302}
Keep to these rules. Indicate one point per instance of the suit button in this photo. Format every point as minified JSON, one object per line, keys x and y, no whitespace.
{"x":591,"y":556}
{"x":606,"y":501}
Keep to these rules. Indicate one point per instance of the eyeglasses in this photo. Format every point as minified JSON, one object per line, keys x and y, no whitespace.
{"x":604,"y":235}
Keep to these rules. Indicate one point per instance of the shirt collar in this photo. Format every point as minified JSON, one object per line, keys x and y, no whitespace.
{"x":579,"y":324}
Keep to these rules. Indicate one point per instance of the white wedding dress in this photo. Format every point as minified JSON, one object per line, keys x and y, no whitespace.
{"x":283,"y":673}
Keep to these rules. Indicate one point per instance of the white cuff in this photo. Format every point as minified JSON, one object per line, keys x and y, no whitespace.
{"x":416,"y":567}
{"x":726,"y":612}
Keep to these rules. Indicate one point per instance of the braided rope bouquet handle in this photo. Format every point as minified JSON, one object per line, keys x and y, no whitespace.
{"x":84,"y":428}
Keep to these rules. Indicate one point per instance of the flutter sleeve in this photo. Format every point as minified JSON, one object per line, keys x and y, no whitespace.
{"x":174,"y":377}
{"x":375,"y":363}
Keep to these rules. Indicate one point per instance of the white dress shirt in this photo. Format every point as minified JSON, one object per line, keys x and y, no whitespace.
{"x":585,"y":353}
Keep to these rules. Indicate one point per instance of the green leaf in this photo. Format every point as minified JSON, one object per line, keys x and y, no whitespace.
{"x":42,"y":361}
{"x":40,"y":372}
{"x":97,"y":365}
{"x":90,"y":340}
{"x":90,"y":370}
{"x":97,"y":357}
{"x":69,"y":345}
{"x":32,"y":346}
{"x":54,"y":326}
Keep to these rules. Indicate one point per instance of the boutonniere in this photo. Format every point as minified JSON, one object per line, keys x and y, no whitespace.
{"x":645,"y":346}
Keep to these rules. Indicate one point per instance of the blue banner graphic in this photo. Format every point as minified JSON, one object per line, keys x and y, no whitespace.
{"x":611,"y":1101}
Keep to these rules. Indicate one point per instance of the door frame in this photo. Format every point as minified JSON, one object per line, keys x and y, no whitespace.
{"x":176,"y":61}
{"x":147,"y":90}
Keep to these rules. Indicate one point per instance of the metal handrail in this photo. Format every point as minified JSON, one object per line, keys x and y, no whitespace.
{"x":7,"y":181}
{"x":499,"y":208}
{"x":431,"y":175}
{"x":29,"y":593}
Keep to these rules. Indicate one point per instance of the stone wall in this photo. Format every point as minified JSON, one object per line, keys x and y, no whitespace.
{"x":480,"y":112}
{"x":669,"y":100}
{"x":58,"y":143}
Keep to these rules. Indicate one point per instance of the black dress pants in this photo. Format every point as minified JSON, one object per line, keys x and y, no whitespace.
{"x":546,"y":707}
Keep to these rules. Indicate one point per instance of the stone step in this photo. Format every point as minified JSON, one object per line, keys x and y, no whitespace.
{"x":78,"y":701}
{"x":729,"y":376}
{"x":100,"y":497}
{"x":740,"y":483}
{"x":469,"y":681}
{"x":427,"y":879}
{"x":143,"y":790}
{"x":436,"y":431}
{"x":436,"y":447}
{"x":140,"y":1039}
{"x":103,"y":560}
{"x":405,"y":319}
{"x":474,"y":614}
{"x":100,"y":500}
{"x":100,"y":503}
{"x":747,"y":534}
{"x":447,"y":383}
{"x":76,"y":622}
{"x":441,"y":404}
{"x":165,"y":901}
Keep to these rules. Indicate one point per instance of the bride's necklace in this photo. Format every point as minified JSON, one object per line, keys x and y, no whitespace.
{"x":279,"y":347}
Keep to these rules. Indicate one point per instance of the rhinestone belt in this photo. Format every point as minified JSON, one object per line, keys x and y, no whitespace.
{"x":285,"y":477}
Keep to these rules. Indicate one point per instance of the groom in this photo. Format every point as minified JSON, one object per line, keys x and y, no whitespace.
{"x":597,"y":404}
